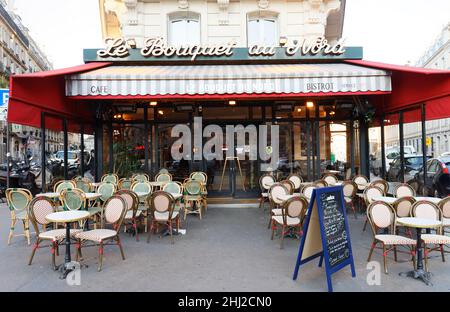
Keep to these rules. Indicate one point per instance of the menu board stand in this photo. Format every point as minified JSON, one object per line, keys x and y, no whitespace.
{"x":326,"y":233}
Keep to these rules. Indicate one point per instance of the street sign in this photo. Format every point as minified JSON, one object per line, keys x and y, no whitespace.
{"x":326,"y":233}
{"x":4,"y":100}
{"x":428,"y":141}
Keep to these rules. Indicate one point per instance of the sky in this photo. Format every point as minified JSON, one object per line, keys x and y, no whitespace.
{"x":391,"y":31}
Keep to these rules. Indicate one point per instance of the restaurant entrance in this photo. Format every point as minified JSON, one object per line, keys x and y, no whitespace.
{"x":313,"y":137}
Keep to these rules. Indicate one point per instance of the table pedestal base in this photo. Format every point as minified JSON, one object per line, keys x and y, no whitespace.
{"x":419,"y":274}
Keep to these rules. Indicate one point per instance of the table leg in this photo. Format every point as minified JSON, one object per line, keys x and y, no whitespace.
{"x":65,"y":268}
{"x":419,"y":273}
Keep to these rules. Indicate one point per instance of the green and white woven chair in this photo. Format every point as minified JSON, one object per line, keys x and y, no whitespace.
{"x":18,"y":200}
{"x":111,"y":178}
{"x":63,"y":185}
{"x":140,"y":177}
{"x":114,"y":211}
{"x":163,"y":177}
{"x":193,"y":198}
{"x":143,"y":188}
{"x":39,"y":208}
{"x":174,"y":188}
{"x":83,"y":184}
{"x":124,"y":184}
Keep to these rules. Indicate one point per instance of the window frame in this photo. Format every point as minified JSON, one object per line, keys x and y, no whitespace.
{"x":266,"y":15}
{"x":183,"y":15}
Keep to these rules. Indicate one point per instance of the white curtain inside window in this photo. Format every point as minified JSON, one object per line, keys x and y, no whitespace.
{"x":184,"y":32}
{"x":262,"y":31}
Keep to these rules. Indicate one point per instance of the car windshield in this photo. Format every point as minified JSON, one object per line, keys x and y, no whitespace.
{"x":413,"y":161}
{"x":70,"y":155}
{"x":392,"y":155}
{"x":445,"y":160}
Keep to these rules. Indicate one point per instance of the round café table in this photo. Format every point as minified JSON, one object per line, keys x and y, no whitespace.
{"x":419,"y":224}
{"x":67,"y":217}
{"x":51,"y":195}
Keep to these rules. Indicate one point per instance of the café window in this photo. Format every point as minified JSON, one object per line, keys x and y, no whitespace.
{"x":184,"y":29}
{"x":262,"y":29}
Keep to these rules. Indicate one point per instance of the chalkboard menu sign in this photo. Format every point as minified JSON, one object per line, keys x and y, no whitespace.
{"x":335,"y":231}
{"x":326,"y":233}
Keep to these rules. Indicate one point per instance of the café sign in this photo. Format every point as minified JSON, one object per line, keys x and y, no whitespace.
{"x":156,"y":49}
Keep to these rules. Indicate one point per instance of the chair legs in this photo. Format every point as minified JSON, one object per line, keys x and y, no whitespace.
{"x":120,"y":247}
{"x":26,"y":229}
{"x":11,"y":230}
{"x":282,"y":237}
{"x":36,"y":246}
{"x":385,"y":259}
{"x":374,"y":244}
{"x":100,"y":257}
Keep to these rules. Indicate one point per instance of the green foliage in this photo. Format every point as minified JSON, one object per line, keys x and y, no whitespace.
{"x":126,"y":160}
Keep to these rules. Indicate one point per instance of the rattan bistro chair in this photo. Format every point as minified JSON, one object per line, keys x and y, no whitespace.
{"x":361,"y":181}
{"x":193,"y":198}
{"x":145,"y":188}
{"x":174,"y":187}
{"x":82,"y":184}
{"x":59,"y":186}
{"x":307,"y":190}
{"x":289,"y":185}
{"x":404,"y":190}
{"x":162,"y":212}
{"x":350,"y":189}
{"x":444,"y":205}
{"x":114,"y":211}
{"x":331,"y":179}
{"x":382,"y":184}
{"x":124,"y":184}
{"x":140,"y":177}
{"x":276,"y":190}
{"x":111,"y":178}
{"x":163,"y":177}
{"x":133,"y":215}
{"x":320,"y":183}
{"x":381,"y":216}
{"x":18,"y":200}
{"x":265,"y":182}
{"x":370,"y":193}
{"x":428,"y":210}
{"x":39,"y":208}
{"x":297,"y":180}
{"x":403,"y":209}
{"x":293,"y":213}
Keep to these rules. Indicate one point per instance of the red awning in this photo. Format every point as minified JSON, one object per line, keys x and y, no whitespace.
{"x":32,"y":94}
{"x":412,"y":86}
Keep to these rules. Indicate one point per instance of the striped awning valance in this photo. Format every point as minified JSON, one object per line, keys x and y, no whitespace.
{"x":227,"y":79}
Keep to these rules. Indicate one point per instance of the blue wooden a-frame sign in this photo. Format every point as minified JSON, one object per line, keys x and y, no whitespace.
{"x":312,"y":247}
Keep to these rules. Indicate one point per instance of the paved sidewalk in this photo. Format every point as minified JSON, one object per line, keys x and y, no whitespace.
{"x":229,"y":250}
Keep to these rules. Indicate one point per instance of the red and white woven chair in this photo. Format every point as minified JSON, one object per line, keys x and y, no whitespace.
{"x":114,"y":211}
{"x":444,"y":205}
{"x":133,"y":215}
{"x":331,"y":179}
{"x":265,"y":182}
{"x":39,"y":208}
{"x":297,"y":180}
{"x":403,"y":208}
{"x":381,"y":216}
{"x":427,"y":210}
{"x":404,"y":190}
{"x":292,"y":215}
{"x":350,"y":189}
{"x":162,"y":206}
{"x":275,"y":191}
{"x":370,"y":193}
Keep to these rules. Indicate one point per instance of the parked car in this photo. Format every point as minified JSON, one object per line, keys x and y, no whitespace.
{"x":413,"y":163}
{"x":438,"y":178}
{"x":390,"y":155}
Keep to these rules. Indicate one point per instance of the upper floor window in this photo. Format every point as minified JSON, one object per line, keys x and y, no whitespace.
{"x":262,"y":29}
{"x":184,"y":29}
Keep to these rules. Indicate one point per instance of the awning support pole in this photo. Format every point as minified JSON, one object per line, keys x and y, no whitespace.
{"x":424,"y":144}
{"x":383,"y":149}
{"x":308,"y":145}
{"x":82,"y":151}
{"x":43,"y":160}
{"x":317,"y":130}
{"x":402,"y":148}
{"x":111,"y":145}
{"x":146,"y":137}
{"x":66,"y":150}
{"x":352,"y":147}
